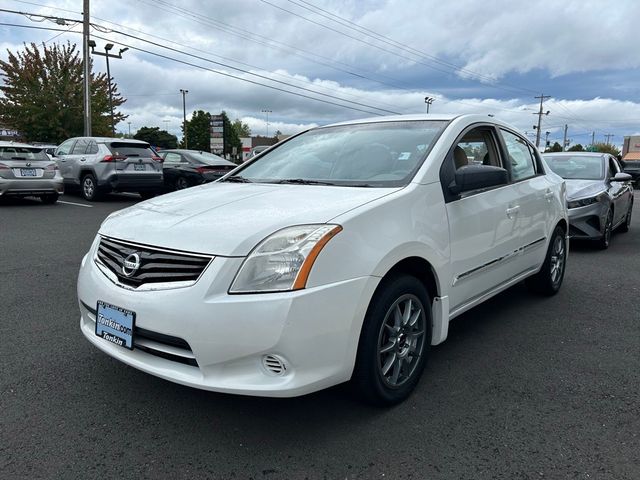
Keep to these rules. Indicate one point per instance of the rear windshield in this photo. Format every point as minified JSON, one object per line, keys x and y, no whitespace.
{"x":578,"y":167}
{"x":131,"y":149}
{"x":207,"y":158}
{"x":22,"y":153}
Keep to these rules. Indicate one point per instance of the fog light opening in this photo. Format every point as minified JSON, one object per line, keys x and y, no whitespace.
{"x":274,"y":365}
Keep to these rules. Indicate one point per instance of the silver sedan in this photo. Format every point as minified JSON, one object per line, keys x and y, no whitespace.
{"x":599,"y":194}
{"x":26,"y":170}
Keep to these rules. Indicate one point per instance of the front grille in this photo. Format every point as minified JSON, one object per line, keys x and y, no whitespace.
{"x":155,"y":265}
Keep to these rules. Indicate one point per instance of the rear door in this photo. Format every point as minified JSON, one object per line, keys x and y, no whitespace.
{"x":621,"y":192}
{"x":62,"y":158}
{"x":77,"y":159}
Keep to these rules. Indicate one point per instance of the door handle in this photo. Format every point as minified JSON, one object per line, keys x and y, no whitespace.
{"x":83,"y":159}
{"x":511,"y":211}
{"x":548,"y":195}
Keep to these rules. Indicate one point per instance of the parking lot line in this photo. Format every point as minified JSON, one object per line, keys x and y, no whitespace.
{"x":73,"y":203}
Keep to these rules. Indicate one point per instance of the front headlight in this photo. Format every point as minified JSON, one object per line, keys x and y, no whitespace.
{"x":282,"y":261}
{"x":583,"y":202}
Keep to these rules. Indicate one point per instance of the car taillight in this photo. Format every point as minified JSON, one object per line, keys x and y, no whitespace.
{"x":52,"y":167}
{"x":113,"y":158}
{"x":201,"y":169}
{"x":157,"y":159}
{"x":3,"y":166}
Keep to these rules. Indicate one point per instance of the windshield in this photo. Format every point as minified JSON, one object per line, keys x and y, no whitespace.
{"x":207,"y":158}
{"x":578,"y":167}
{"x":384,"y":154}
{"x":22,"y":153}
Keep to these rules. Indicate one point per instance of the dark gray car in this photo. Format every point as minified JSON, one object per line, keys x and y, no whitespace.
{"x":599,"y":194}
{"x":99,"y":165}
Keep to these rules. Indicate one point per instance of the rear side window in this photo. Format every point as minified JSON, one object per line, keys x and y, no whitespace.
{"x":80,"y":148}
{"x":131,"y":149}
{"x":522,"y":162}
{"x":171,"y":158}
{"x":22,"y":153}
{"x":92,"y":148}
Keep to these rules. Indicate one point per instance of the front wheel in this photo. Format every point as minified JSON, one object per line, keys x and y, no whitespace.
{"x":627,"y":221}
{"x":394,"y":342}
{"x":604,"y":241}
{"x":549,"y":279}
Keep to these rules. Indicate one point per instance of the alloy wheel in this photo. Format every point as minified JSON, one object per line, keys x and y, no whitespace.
{"x":181,"y":183}
{"x":88,"y":187}
{"x":607,"y":228}
{"x":558,"y":257}
{"x":401,"y":340}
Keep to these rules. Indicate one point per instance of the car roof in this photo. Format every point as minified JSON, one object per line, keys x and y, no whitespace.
{"x":575,"y":154}
{"x":18,"y":144}
{"x":111,"y":140}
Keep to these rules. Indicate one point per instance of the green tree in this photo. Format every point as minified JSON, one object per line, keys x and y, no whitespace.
{"x":242,"y":129}
{"x":156,"y":137}
{"x":42,"y":94}
{"x":605,"y":148}
{"x":576,"y":148}
{"x":198,"y":136}
{"x":231,"y":138}
{"x":556,"y":147}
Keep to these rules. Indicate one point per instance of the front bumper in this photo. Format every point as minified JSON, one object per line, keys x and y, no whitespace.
{"x":588,"y":222}
{"x":315,"y":331}
{"x":23,"y":187}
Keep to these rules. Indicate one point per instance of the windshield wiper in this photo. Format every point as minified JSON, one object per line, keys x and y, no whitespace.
{"x":237,"y":179}
{"x":302,"y":181}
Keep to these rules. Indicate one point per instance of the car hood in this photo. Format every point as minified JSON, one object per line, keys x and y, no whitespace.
{"x":229,"y":219}
{"x":584,"y":188}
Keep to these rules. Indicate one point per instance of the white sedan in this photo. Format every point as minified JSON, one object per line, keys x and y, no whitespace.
{"x":340,"y":254}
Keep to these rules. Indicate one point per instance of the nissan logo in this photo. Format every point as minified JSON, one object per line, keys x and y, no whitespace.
{"x":131,"y":264}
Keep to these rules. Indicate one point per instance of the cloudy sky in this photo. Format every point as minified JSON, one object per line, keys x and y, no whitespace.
{"x":312,"y":62}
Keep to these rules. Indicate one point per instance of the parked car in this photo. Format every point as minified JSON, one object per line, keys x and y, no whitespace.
{"x":340,"y":254}
{"x":599,"y":194}
{"x":186,"y":168}
{"x":26,"y":171}
{"x":631,"y":165}
{"x":99,"y":165}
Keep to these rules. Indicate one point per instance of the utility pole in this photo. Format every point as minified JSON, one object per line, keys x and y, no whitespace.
{"x":86,"y":67}
{"x":546,"y":139}
{"x":267,"y":112}
{"x":428,"y":101}
{"x":184,"y":117}
{"x":542,"y":98}
{"x":129,"y":123}
{"x":107,"y":55}
{"x":608,"y":137}
{"x":564,"y":140}
{"x":593,"y":139}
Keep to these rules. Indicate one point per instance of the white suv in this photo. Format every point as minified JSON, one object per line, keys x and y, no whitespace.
{"x":100,"y":165}
{"x":342,"y":253}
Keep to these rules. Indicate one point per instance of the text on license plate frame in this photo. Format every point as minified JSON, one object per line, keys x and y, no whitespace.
{"x":139,"y":166}
{"x":115,"y":324}
{"x":28,"y":172}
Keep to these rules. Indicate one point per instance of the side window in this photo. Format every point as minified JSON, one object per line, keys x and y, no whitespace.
{"x":522,"y":163}
{"x":476,"y":147}
{"x":171,"y":158}
{"x":80,"y":148}
{"x":65,"y":148}
{"x":92,"y":148}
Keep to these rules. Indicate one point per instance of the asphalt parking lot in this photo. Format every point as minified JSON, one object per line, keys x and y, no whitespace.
{"x":524,"y":388}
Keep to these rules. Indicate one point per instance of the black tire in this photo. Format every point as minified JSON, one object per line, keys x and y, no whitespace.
{"x":549,"y":279}
{"x":409,"y":348}
{"x":181,"y":183}
{"x":626,"y":225}
{"x":49,"y":198}
{"x":605,"y":240}
{"x":89,"y":188}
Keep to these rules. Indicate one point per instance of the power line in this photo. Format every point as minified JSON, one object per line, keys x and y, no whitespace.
{"x":390,"y":41}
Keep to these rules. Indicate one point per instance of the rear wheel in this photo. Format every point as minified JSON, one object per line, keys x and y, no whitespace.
{"x":394,"y":342}
{"x":89,"y":187}
{"x":181,"y":183}
{"x":549,"y":279}
{"x":603,"y":243}
{"x":49,"y":198}
{"x":627,"y":221}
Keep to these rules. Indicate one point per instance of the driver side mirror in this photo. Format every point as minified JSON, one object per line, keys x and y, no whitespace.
{"x":621,"y":177}
{"x":474,"y":177}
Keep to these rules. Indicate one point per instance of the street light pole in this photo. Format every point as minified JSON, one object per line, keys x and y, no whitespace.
{"x":107,"y":55}
{"x":86,"y":80}
{"x":428,"y":101}
{"x":267,"y":112}
{"x":184,"y":116}
{"x":129,"y":123}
